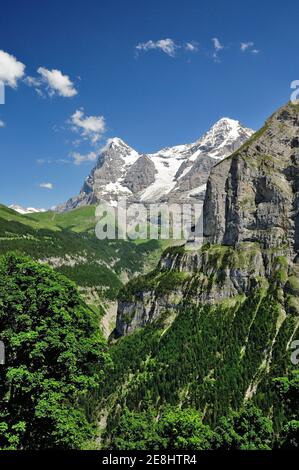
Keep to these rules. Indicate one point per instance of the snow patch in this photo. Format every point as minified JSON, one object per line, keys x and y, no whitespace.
{"x":25,"y":210}
{"x":166,"y":168}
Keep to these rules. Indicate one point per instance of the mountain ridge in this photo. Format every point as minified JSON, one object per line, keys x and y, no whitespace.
{"x":172,"y":174}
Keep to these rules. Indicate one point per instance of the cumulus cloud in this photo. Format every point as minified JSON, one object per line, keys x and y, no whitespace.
{"x":57,"y":82}
{"x":168,"y":46}
{"x":11,"y":70}
{"x":78,"y":158}
{"x":90,"y":127}
{"x":54,"y":82}
{"x":2,"y":123}
{"x":191,"y":46}
{"x":46,"y":185}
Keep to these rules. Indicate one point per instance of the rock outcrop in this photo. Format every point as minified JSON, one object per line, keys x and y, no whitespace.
{"x":253,"y":195}
{"x":140,"y":175}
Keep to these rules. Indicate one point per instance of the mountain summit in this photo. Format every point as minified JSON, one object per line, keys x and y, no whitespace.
{"x":172,"y":174}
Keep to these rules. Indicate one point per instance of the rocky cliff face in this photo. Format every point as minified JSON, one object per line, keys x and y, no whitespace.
{"x":206,"y":277}
{"x":171,"y":174}
{"x":253,"y":195}
{"x":251,"y":229}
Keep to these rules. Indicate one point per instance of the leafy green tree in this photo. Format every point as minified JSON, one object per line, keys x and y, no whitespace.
{"x":288,"y":392}
{"x":172,"y":428}
{"x":247,"y":429}
{"x":289,"y":437}
{"x":55,"y":356}
{"x":136,"y":431}
{"x":184,"y":429}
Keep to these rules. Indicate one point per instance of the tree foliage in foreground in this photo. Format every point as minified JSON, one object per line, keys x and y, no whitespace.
{"x":288,"y":392}
{"x":247,"y":429}
{"x":175,"y":428}
{"x":55,"y":357}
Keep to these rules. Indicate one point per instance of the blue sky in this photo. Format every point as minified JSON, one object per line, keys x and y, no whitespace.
{"x":154,"y":95}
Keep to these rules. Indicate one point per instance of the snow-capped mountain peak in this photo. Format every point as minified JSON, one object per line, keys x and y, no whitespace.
{"x":25,"y":210}
{"x":224,"y":131}
{"x":117,"y":142}
{"x":173,"y":173}
{"x":122,"y":149}
{"x":114,"y":143}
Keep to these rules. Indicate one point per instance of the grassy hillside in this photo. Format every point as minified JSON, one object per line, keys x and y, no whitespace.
{"x":79,"y":220}
{"x":67,"y":242}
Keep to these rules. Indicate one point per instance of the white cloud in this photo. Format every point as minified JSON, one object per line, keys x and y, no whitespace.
{"x":32,"y":81}
{"x":79,"y":158}
{"x":246,"y":45}
{"x":217,"y":48}
{"x":168,"y":46}
{"x":217,"y":44}
{"x":48,"y":161}
{"x":2,"y":123}
{"x":36,"y":83}
{"x":55,"y":81}
{"x":46,"y":185}
{"x":90,"y":127}
{"x":11,"y":70}
{"x":191,"y":46}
